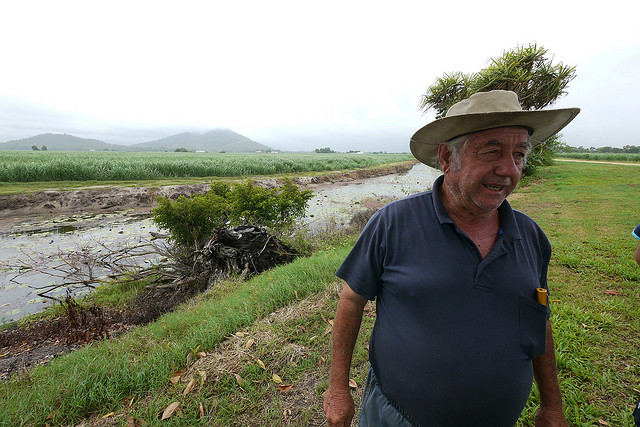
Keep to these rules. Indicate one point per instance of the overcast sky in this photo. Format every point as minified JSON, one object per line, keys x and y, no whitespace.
{"x":295,"y":75}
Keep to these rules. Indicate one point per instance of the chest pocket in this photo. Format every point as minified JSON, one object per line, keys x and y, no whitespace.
{"x":533,"y":327}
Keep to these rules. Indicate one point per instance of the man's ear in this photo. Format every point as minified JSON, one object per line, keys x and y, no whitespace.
{"x":444,"y":156}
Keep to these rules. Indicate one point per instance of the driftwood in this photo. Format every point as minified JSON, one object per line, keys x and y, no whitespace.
{"x":175,"y":274}
{"x":243,"y":250}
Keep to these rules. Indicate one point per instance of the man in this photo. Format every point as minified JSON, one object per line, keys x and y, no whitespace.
{"x":459,"y":332}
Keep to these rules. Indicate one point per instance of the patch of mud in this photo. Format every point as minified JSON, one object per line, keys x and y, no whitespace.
{"x":92,"y":200}
{"x":22,"y":348}
{"x":38,"y":342}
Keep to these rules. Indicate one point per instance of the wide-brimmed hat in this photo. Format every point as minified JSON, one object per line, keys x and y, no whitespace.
{"x":487,"y":110}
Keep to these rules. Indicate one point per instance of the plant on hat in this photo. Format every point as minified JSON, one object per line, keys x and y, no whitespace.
{"x":524,"y":70}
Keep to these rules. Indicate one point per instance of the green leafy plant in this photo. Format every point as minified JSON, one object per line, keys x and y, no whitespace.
{"x":192,"y":220}
{"x":525,"y":70}
{"x":541,"y":155}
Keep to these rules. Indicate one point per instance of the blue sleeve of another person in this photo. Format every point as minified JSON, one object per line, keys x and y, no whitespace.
{"x":636,"y":232}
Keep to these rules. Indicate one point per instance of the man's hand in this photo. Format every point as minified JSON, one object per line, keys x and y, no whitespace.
{"x":550,"y":418}
{"x":544,"y":370}
{"x":338,"y":403}
{"x":339,"y":408}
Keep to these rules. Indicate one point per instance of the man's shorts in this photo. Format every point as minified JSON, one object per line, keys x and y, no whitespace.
{"x":377,"y":410}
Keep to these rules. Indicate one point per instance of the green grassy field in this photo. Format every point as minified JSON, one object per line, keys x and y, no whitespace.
{"x":48,"y":166}
{"x":609,"y":157}
{"x":588,"y":212}
{"x":257,"y":353}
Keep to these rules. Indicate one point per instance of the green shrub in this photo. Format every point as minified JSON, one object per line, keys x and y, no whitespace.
{"x":541,"y":155}
{"x":273,"y":208}
{"x":192,"y":220}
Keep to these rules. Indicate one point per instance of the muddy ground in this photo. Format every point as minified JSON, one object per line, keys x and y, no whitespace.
{"x":22,"y":347}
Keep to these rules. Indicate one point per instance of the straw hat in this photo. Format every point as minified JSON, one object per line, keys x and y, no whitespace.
{"x":487,"y":110}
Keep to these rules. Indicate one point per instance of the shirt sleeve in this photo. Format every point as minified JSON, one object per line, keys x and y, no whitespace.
{"x":364,"y":265}
{"x":636,"y":232}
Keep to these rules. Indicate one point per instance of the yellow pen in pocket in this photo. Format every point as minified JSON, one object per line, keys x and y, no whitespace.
{"x":542,"y":296}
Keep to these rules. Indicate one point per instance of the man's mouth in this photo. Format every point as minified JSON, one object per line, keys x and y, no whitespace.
{"x":494,"y":187}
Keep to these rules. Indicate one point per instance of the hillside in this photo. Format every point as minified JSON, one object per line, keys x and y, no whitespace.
{"x":60,"y":142}
{"x":212,"y":141}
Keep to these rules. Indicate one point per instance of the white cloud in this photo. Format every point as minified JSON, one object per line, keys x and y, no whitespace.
{"x":281,"y":72}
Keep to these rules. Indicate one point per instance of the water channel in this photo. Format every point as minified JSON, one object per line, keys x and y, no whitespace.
{"x":45,"y":237}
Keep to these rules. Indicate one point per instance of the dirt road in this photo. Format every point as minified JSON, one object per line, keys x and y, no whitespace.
{"x":598,"y":161}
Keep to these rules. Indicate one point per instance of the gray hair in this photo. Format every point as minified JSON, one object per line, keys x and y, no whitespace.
{"x":455,"y":146}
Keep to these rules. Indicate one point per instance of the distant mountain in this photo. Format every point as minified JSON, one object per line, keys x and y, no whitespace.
{"x":212,"y":141}
{"x":59,"y":142}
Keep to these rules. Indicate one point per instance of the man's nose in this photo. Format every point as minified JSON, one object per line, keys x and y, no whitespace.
{"x":508,"y":166}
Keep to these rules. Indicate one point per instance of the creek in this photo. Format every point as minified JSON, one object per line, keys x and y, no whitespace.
{"x":331,"y":205}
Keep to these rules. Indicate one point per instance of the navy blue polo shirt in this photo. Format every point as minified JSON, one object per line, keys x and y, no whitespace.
{"x":455,"y":333}
{"x":636,"y":232}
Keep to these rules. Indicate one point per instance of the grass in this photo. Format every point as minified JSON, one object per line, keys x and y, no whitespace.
{"x":279,"y":324}
{"x":588,"y":212}
{"x":101,"y":167}
{"x":609,"y":157}
{"x":99,"y":376}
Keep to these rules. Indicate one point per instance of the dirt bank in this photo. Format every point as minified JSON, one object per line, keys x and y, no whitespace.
{"x":109,"y":199}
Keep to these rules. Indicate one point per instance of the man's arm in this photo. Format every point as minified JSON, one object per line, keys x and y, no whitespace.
{"x":636,"y":255}
{"x":338,"y":403}
{"x":546,"y":376}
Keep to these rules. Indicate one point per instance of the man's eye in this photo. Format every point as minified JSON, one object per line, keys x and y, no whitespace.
{"x":488,"y":152}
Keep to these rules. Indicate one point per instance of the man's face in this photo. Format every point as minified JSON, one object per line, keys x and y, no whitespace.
{"x":490,"y":166}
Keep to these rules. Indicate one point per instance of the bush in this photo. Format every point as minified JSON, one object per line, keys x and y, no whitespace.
{"x":192,"y":220}
{"x":541,"y":155}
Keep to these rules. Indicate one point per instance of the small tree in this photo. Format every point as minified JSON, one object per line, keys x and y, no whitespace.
{"x":324,"y":150}
{"x":192,"y":220}
{"x":35,"y":148}
{"x":524,"y":70}
{"x":44,"y":148}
